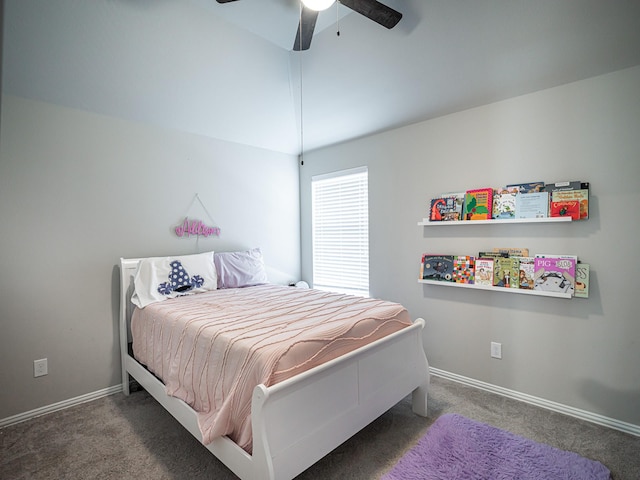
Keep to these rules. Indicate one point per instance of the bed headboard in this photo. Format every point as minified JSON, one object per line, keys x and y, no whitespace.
{"x":128,"y":267}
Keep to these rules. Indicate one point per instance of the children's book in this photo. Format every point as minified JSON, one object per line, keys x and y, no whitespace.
{"x":445,"y":209}
{"x":581,"y":196}
{"x":484,"y":271}
{"x":504,"y":205}
{"x":569,"y":208}
{"x":552,"y":255}
{"x":532,"y":205}
{"x":507,"y":189}
{"x":569,"y":192}
{"x":582,"y":280}
{"x":526,"y":272}
{"x":563,"y":186}
{"x":493,"y":254}
{"x":478,"y":204}
{"x":513,"y":252}
{"x":463,"y":269}
{"x":506,"y":272}
{"x":555,"y":273}
{"x":459,"y":197}
{"x":531,"y":187}
{"x":437,"y":267}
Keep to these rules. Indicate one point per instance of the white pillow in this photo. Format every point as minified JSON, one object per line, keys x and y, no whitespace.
{"x":240,"y":269}
{"x":160,"y":278}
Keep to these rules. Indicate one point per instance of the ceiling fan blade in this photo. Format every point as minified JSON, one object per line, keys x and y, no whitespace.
{"x":225,"y":1}
{"x":306,"y":26}
{"x":376,"y":11}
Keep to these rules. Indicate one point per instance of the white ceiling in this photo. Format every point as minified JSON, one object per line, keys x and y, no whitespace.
{"x":227,"y":72}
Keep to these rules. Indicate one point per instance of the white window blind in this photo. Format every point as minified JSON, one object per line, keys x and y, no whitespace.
{"x":340,"y":230}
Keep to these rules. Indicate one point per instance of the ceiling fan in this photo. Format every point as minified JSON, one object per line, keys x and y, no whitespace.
{"x":372,"y":9}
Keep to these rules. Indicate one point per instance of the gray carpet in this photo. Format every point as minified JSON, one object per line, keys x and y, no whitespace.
{"x":120,"y":437}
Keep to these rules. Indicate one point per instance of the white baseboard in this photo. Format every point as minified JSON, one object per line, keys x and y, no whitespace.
{"x":541,"y":402}
{"x":21,"y":417}
{"x":505,"y":392}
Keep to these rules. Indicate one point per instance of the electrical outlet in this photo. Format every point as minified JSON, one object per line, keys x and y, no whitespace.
{"x":40,"y":367}
{"x":496,"y":350}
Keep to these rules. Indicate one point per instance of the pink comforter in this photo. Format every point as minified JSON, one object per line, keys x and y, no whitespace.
{"x":212,"y":349}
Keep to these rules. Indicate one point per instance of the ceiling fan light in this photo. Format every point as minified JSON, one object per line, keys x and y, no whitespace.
{"x":318,"y":5}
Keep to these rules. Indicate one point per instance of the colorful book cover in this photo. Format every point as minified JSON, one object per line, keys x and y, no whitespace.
{"x":484,"y":271}
{"x":506,"y":272}
{"x":531,"y":187}
{"x":437,"y":267}
{"x":504,"y":206}
{"x":478,"y":204}
{"x":513,"y":252}
{"x":459,"y":196}
{"x":532,"y":205}
{"x":463,"y":269}
{"x":569,"y":208}
{"x":569,"y":192}
{"x":526,"y":272}
{"x":555,"y":274}
{"x":580,"y":195}
{"x":582,"y":280}
{"x":445,"y":209}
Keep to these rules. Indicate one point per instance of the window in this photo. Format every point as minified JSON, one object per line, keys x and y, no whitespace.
{"x":340,"y":231}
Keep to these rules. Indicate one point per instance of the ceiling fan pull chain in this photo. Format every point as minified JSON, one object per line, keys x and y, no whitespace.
{"x":337,"y":18}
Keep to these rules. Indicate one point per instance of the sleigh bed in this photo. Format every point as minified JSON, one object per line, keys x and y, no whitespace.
{"x":294,"y":421}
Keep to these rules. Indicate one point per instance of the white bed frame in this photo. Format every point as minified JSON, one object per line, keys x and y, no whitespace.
{"x":298,"y":421}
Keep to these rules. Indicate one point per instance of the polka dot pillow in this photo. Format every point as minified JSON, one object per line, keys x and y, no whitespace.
{"x":159,"y":278}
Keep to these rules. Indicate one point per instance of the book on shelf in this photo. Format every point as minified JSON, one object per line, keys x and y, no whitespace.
{"x":563,"y":186}
{"x":513,"y":252}
{"x":492,"y":254}
{"x":478,"y":204}
{"x":530,"y":187}
{"x":526,"y":269}
{"x":506,"y":271}
{"x":532,"y":205}
{"x":484,"y":271}
{"x":569,"y":208}
{"x":504,"y":204}
{"x":459,"y":196}
{"x":446,"y":208}
{"x":553,"y":255}
{"x":463,"y":269}
{"x":564,"y":195}
{"x":582,"y":280}
{"x":436,"y":267}
{"x":555,"y":273}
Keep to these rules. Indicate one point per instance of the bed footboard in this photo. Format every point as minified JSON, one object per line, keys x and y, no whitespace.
{"x":297,"y":422}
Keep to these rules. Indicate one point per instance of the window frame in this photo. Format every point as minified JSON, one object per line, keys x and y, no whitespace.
{"x":340,"y":247}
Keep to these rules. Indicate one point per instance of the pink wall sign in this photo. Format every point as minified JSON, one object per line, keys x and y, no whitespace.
{"x":196,"y":227}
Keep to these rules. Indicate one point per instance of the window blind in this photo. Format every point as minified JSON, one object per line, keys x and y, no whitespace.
{"x":340,"y":231}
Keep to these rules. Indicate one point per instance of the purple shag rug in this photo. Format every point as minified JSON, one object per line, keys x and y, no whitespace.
{"x":456,"y":448}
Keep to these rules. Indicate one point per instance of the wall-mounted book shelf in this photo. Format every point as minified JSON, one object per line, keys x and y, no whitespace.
{"x":521,"y":291}
{"x":426,"y":223}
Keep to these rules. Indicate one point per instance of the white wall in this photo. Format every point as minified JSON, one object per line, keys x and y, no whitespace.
{"x":77,"y":192}
{"x":580,"y":353}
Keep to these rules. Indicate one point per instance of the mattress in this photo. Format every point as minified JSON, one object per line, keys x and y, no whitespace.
{"x":211,"y":349}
